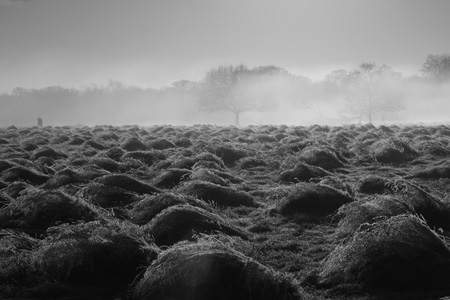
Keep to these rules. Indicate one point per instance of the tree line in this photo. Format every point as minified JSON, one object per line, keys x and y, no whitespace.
{"x":366,"y":92}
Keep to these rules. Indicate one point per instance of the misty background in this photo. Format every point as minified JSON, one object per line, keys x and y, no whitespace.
{"x":145,"y":62}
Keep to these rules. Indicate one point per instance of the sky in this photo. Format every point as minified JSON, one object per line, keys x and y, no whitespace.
{"x":152,"y":43}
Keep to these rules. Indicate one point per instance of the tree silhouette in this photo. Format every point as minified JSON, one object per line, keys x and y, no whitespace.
{"x":234,"y":89}
{"x":372,"y":89}
{"x":437,"y":67}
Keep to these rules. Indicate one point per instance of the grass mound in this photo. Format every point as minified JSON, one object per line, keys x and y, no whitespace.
{"x":229,"y":153}
{"x":106,"y":196}
{"x":373,"y":184}
{"x":353,"y":215}
{"x":204,"y":174}
{"x":161,"y":144}
{"x":171,"y":178}
{"x":147,"y":157}
{"x":147,"y":208}
{"x":302,"y":172}
{"x":180,"y":222}
{"x":105,"y":163}
{"x":134,"y":144}
{"x":64,"y":177}
{"x":312,"y":199}
{"x":433,"y":172}
{"x":321,"y":157}
{"x":128,"y":183}
{"x":391,"y":151}
{"x":220,"y":195}
{"x":250,"y":162}
{"x":397,"y":254}
{"x":15,"y":189}
{"x":25,"y":174}
{"x":94,"y":254}
{"x":211,"y":271}
{"x":35,"y":212}
{"x":47,"y":152}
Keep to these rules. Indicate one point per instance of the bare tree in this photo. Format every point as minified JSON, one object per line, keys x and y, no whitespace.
{"x":372,"y":89}
{"x":234,"y":89}
{"x":437,"y":67}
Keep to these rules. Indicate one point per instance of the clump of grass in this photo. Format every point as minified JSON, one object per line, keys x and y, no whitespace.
{"x":212,"y":271}
{"x":312,"y":199}
{"x":128,"y":183}
{"x":179,"y":222}
{"x":400,"y":253}
{"x":321,"y":157}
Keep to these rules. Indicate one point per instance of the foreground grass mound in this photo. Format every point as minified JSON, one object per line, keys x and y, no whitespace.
{"x":94,"y":253}
{"x":321,"y":157}
{"x":38,"y":210}
{"x":179,"y":222}
{"x":211,"y":271}
{"x":220,"y":195}
{"x":23,"y":173}
{"x":398,"y":254}
{"x":312,"y":199}
{"x":392,"y":151}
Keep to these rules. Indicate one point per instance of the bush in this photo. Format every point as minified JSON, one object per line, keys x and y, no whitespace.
{"x":397,"y":254}
{"x":212,"y":271}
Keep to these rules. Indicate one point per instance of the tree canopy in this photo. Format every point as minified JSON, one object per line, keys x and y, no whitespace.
{"x":437,"y":67}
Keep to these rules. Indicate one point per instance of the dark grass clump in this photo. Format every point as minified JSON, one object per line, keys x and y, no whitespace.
{"x":95,"y":145}
{"x":433,"y":172}
{"x":94,"y":254}
{"x":180,"y":222}
{"x":220,"y":195}
{"x":147,"y":208}
{"x":250,"y":162}
{"x":208,"y":175}
{"x":106,"y":196}
{"x":15,"y":189}
{"x":312,"y":199}
{"x":212,"y":271}
{"x":397,"y":254}
{"x":25,"y":174}
{"x":5,"y":164}
{"x":171,"y":177}
{"x":106,"y":163}
{"x":363,"y":212}
{"x":65,"y":177}
{"x":147,"y":157}
{"x":302,"y":172}
{"x":115,"y":153}
{"x":47,"y":152}
{"x":321,"y":157}
{"x":5,"y":200}
{"x":373,"y":184}
{"x":392,"y":151}
{"x":228,"y":153}
{"x":134,"y":144}
{"x":161,"y":144}
{"x":128,"y":183}
{"x":34,"y":212}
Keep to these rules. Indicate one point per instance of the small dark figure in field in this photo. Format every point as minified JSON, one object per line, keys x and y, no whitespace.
{"x":39,"y":122}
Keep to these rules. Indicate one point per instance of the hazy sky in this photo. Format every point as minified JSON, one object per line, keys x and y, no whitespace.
{"x":152,"y":43}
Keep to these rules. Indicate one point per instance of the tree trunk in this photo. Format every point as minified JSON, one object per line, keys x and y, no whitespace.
{"x":236,"y":118}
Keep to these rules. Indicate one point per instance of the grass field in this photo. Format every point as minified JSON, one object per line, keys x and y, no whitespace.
{"x":209,"y":212}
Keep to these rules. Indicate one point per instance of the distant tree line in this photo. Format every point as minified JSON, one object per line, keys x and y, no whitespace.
{"x":367,"y":92}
